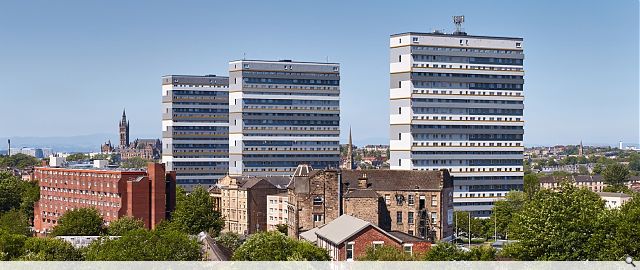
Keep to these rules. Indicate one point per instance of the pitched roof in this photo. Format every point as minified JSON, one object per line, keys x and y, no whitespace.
{"x":399,"y":179}
{"x":405,"y":238}
{"x":310,"y":235}
{"x":345,"y":226}
{"x":613,"y":194}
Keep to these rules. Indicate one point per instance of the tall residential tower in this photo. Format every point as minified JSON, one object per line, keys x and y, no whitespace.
{"x":456,"y":102}
{"x":281,"y":114}
{"x":195,"y":128}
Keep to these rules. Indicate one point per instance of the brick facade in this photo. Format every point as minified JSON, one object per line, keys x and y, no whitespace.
{"x":147,"y":195}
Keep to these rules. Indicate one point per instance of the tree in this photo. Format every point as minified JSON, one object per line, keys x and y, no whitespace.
{"x":49,"y":249}
{"x":77,"y":157}
{"x":531,"y":184}
{"x":14,"y":222}
{"x":557,"y":226}
{"x":275,"y":246}
{"x":10,"y":245}
{"x":229,"y":240}
{"x":597,"y":168}
{"x":582,"y":170}
{"x":29,"y":197}
{"x":634,"y":162}
{"x":143,"y":245}
{"x":135,"y":163}
{"x":194,"y":214}
{"x":478,"y":228}
{"x":82,"y":221}
{"x":385,"y":253}
{"x":19,"y":161}
{"x":626,"y":231}
{"x":283,"y":228}
{"x":10,"y":192}
{"x":503,"y":211}
{"x":445,"y":252}
{"x":616,"y":174}
{"x":482,"y":253}
{"x":123,"y":225}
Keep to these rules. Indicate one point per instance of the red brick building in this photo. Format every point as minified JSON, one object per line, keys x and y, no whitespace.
{"x":347,"y":238}
{"x":148,"y":195}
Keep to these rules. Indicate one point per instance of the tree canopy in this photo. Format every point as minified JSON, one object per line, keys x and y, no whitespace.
{"x":135,"y":163}
{"x":49,"y":249}
{"x":14,"y":222}
{"x":144,"y":245}
{"x":19,"y":161}
{"x":81,"y":221}
{"x":386,"y":253}
{"x":616,"y":174}
{"x":17,"y":194}
{"x":275,"y":246}
{"x":123,"y":225}
{"x":194,"y":213}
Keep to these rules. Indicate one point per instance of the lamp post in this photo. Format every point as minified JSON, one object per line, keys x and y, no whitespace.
{"x":469,"y":229}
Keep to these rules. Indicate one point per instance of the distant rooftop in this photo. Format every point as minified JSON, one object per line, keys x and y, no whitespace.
{"x":440,"y":34}
{"x":284,"y":61}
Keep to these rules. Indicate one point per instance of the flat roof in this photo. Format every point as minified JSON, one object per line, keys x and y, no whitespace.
{"x":284,"y":61}
{"x":452,"y":35}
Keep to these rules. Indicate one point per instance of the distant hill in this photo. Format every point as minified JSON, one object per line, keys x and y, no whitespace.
{"x":80,"y":143}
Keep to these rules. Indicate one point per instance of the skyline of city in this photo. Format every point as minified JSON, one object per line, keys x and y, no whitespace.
{"x":107,"y":84}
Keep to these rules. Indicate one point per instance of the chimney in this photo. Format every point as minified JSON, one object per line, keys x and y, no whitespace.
{"x":362,"y":181}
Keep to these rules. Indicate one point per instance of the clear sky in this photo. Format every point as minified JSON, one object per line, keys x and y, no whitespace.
{"x":70,"y":67}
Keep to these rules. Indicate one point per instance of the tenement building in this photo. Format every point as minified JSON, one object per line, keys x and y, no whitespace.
{"x":456,"y":103}
{"x":195,"y":128}
{"x":242,"y":201}
{"x":417,"y":203}
{"x":281,"y":114}
{"x":147,"y":195}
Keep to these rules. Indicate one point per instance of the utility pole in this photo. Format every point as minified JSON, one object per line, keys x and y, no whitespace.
{"x":469,"y":229}
{"x":495,"y":225}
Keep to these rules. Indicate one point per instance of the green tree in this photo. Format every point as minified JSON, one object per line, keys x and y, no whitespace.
{"x":194,"y":214}
{"x":11,"y":245}
{"x":504,"y":210}
{"x":531,"y":184}
{"x":124,"y":224}
{"x":478,"y":228}
{"x":81,"y":221}
{"x":144,"y":245}
{"x":275,"y":246}
{"x":283,"y":228}
{"x":14,"y":222}
{"x":10,"y":192}
{"x":557,"y":226}
{"x":598,"y":168}
{"x":29,"y":197}
{"x":482,"y":253}
{"x":77,"y":157}
{"x":385,"y":253}
{"x":229,"y":240}
{"x":445,"y":252}
{"x":19,"y":161}
{"x":49,"y":249}
{"x":134,"y":163}
{"x":634,"y":162}
{"x":582,"y":170}
{"x":624,"y":235}
{"x":616,"y":174}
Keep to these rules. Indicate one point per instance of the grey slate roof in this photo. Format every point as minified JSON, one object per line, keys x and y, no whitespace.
{"x":399,"y":179}
{"x":345,"y":226}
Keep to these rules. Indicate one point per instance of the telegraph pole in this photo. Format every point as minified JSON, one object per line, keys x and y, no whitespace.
{"x":469,"y":229}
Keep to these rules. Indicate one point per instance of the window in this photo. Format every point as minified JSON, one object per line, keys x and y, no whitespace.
{"x":410,"y":232}
{"x":518,"y":45}
{"x":399,"y":110}
{"x":399,"y":162}
{"x":408,"y":248}
{"x":349,"y":249}
{"x":399,"y":58}
{"x":387,"y":199}
{"x":410,"y":217}
{"x":415,"y":39}
{"x":411,"y":200}
{"x":317,"y":217}
{"x":377,"y":244}
{"x":434,"y":217}
{"x":399,"y":136}
{"x":317,"y":201}
{"x":434,"y":200}
{"x":399,"y":217}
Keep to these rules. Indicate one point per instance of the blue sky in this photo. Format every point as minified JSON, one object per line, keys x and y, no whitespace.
{"x":70,"y":67}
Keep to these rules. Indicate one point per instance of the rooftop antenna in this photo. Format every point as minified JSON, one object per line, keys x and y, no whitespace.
{"x":458,"y":21}
{"x":244,"y":56}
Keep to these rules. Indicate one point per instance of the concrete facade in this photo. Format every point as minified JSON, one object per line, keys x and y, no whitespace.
{"x":282,"y":114}
{"x":456,"y":103}
{"x":195,"y":126}
{"x":277,"y":211}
